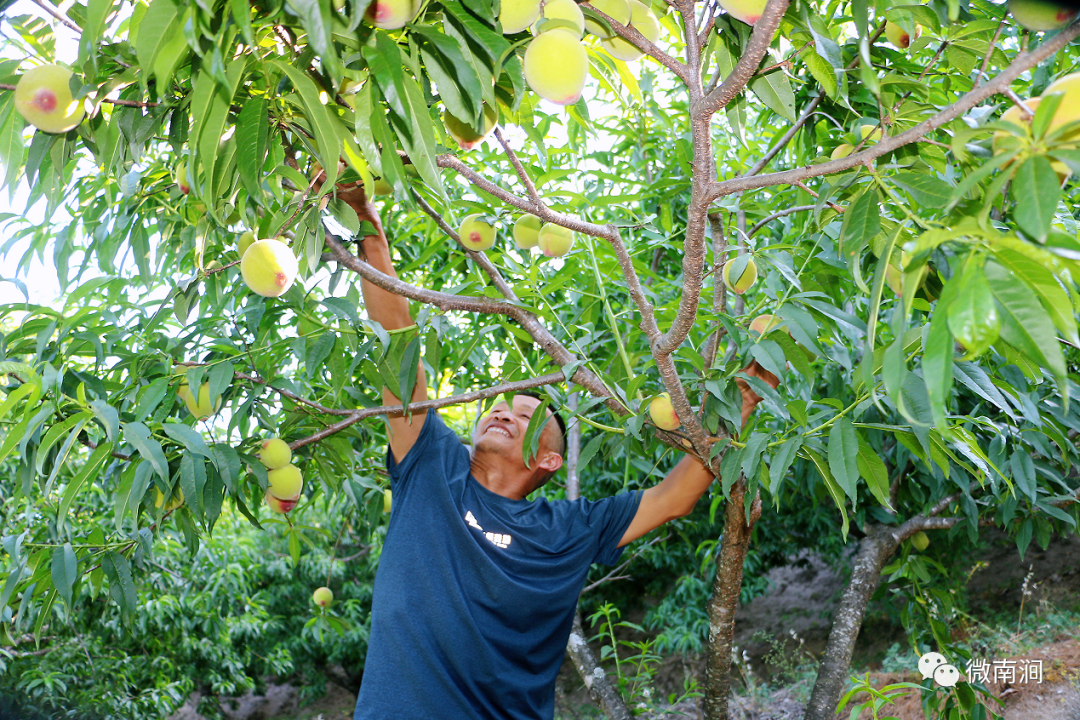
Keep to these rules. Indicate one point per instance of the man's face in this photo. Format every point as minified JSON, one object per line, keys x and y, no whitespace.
{"x":502,"y":431}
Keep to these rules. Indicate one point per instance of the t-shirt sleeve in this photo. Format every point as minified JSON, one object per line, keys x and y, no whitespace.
{"x":436,"y":444}
{"x":609,"y":518}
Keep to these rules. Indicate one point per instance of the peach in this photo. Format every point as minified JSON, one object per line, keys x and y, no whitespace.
{"x":269,"y":268}
{"x":663,"y":413}
{"x":43,"y":98}
{"x":275,"y":453}
{"x":556,"y":66}
{"x":476,"y":234}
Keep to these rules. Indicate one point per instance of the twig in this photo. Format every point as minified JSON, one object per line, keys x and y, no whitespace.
{"x":990,"y":52}
{"x":611,"y":575}
{"x":642,"y":43}
{"x":833,"y":205}
{"x":63,"y":20}
{"x":776,"y":215}
{"x":530,"y":188}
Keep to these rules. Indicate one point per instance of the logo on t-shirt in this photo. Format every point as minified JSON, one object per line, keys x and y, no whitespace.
{"x":501,"y":540}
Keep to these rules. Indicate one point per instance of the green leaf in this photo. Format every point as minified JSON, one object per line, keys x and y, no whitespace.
{"x":93,"y":26}
{"x":1046,"y":286}
{"x":150,"y":449}
{"x":785,"y":455}
{"x":252,"y":129}
{"x":925,"y":189}
{"x":774,"y":89}
{"x":316,"y":18}
{"x":1024,"y":324}
{"x":121,"y":588}
{"x":973,"y":317}
{"x":188,"y":437}
{"x":318,"y":116}
{"x":830,"y":485}
{"x":822,"y":71}
{"x":873,"y":471}
{"x":157,"y":27}
{"x":192,"y":483}
{"x":1038,"y":192}
{"x":861,"y":222}
{"x":938,"y":357}
{"x":843,"y":456}
{"x":65,"y":571}
{"x":76,"y":484}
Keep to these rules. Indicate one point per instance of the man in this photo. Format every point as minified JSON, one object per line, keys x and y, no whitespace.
{"x":477,"y":586}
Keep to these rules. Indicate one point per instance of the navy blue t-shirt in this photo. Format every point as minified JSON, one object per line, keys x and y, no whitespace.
{"x":475,"y":593}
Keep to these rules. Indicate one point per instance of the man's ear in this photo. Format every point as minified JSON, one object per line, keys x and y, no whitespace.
{"x":552,"y":461}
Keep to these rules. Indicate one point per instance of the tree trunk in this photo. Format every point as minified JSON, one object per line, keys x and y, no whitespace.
{"x":601,"y":690}
{"x":725,"y":598}
{"x":876,"y":548}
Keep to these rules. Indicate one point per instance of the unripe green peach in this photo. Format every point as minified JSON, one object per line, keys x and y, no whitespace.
{"x":556,"y":66}
{"x":381,"y":187}
{"x":43,"y":98}
{"x":920,"y":540}
{"x":764,"y":324}
{"x":269,"y":268}
{"x":1069,"y":108}
{"x":663,"y":413}
{"x":285,"y":482}
{"x":899,"y":37}
{"x":749,"y":11}
{"x":201,"y":408}
{"x":842,"y":151}
{"x":617,"y":10}
{"x":323,"y":597}
{"x":464,"y":133}
{"x":1042,"y":15}
{"x":387,"y":500}
{"x":559,"y":14}
{"x":895,"y":280}
{"x":281,"y":506}
{"x":555,"y":240}
{"x":527,"y":231}
{"x":476,"y":234}
{"x":870,"y":133}
{"x":746,"y":279}
{"x":244,"y":241}
{"x":644,"y":21}
{"x":1005,"y":141}
{"x":181,"y":177}
{"x":517,"y":15}
{"x":391,"y":14}
{"x":275,"y":453}
{"x":176,"y":501}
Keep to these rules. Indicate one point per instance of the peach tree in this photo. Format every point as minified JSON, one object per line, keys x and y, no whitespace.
{"x":871,"y":202}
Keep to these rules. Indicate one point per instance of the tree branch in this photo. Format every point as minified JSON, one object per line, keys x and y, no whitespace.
{"x":642,"y":43}
{"x":776,"y":215}
{"x":1022,"y":63}
{"x":762,"y":38}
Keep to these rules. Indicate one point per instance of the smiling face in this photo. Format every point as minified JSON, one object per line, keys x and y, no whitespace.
{"x":500,"y":436}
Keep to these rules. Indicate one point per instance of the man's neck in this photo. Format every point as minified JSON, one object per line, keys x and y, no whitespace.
{"x":500,"y":480}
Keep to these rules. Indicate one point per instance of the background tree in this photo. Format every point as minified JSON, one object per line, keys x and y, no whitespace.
{"x":915,"y":265}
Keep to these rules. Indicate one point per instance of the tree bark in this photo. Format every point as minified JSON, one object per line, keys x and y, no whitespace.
{"x":875,"y":549}
{"x":600,"y":689}
{"x":725,"y":599}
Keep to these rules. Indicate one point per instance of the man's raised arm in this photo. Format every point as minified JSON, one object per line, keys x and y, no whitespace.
{"x":389,"y":310}
{"x":679,"y":491}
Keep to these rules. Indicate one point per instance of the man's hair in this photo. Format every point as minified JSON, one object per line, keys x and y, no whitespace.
{"x":558,"y":439}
